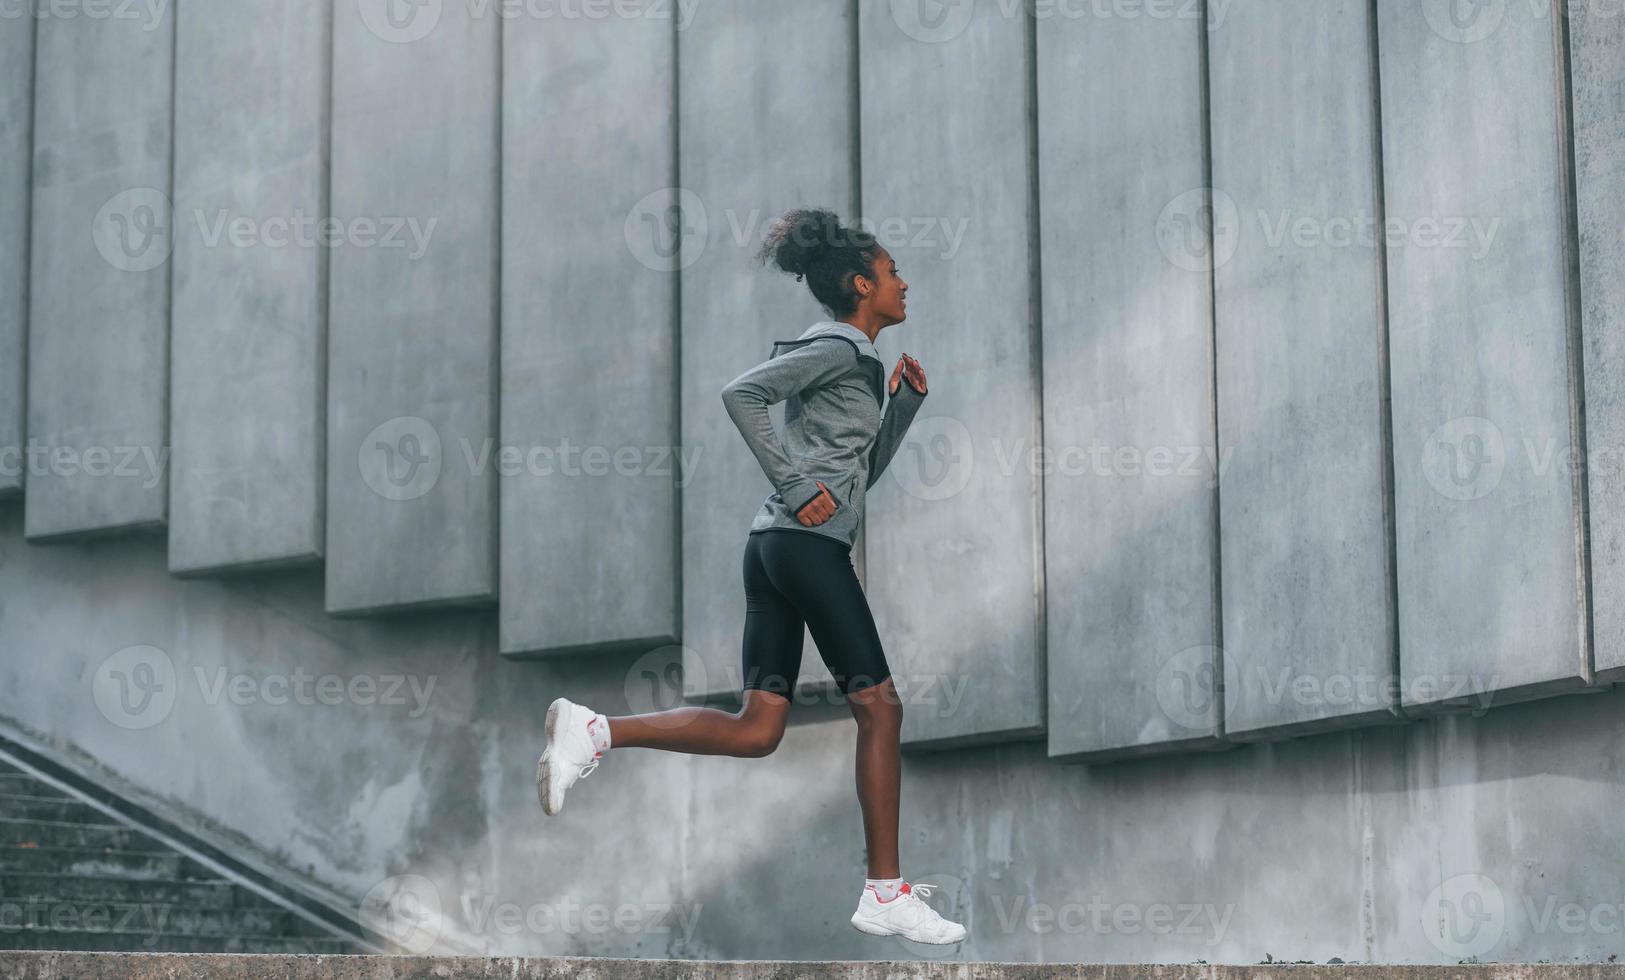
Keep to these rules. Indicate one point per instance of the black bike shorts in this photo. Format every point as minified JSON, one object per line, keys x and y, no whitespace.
{"x":796,"y":579}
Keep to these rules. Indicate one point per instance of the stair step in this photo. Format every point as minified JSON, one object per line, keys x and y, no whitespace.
{"x":215,"y":893}
{"x":96,"y":836}
{"x":143,"y":918}
{"x":110,"y":862}
{"x":22,"y":784}
{"x":53,"y":808}
{"x":26,"y":939}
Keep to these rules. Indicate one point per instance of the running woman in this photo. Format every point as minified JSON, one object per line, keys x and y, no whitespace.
{"x":798,"y":569}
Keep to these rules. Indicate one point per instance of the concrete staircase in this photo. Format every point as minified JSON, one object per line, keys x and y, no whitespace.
{"x":72,"y":877}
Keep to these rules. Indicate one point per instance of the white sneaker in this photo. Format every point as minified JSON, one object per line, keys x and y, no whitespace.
{"x":907,"y":915}
{"x":569,"y":755}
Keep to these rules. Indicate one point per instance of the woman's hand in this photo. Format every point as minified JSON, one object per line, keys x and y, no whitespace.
{"x":907,"y":367}
{"x":819,"y":509}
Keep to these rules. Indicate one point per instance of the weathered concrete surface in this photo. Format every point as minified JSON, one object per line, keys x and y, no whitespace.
{"x":146,"y":966}
{"x":412,"y":322}
{"x":1129,"y":504}
{"x":1353,"y":844}
{"x":248,"y":335}
{"x":749,"y":153}
{"x":1487,"y":531}
{"x":589,"y":411}
{"x":1597,"y":67}
{"x":1304,"y":539}
{"x":954,"y":551}
{"x":16,"y":150}
{"x":98,"y":351}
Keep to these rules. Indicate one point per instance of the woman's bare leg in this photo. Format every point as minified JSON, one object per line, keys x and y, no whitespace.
{"x":879,"y":712}
{"x":750,"y":734}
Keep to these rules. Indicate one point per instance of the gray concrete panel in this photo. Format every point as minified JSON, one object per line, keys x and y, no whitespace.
{"x":16,"y":150}
{"x":248,"y":335}
{"x":1484,"y":490}
{"x":98,"y":351}
{"x":412,"y":315}
{"x":1308,"y":622}
{"x":589,"y":412}
{"x":750,"y":152}
{"x":1129,"y":506}
{"x":955,"y":560}
{"x":1597,"y":68}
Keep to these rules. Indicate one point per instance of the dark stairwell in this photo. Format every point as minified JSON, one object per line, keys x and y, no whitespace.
{"x":75,"y":877}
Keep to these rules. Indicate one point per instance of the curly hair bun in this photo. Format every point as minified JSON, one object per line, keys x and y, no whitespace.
{"x":812,"y":244}
{"x":800,"y":237}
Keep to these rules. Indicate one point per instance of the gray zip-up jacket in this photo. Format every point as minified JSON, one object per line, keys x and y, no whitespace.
{"x":833,"y":382}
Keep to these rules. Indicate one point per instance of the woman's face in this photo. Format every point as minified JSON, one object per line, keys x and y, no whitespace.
{"x":888,"y":299}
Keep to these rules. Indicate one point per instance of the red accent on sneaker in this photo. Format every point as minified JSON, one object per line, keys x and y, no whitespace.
{"x":905,"y":890}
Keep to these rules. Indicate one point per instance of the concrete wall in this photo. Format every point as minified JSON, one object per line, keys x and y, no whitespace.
{"x":102,"y":233}
{"x":1486,"y":497}
{"x":366,"y":752}
{"x":1597,"y":72}
{"x":412,"y":316}
{"x":16,"y":151}
{"x":589,"y":497}
{"x":1304,"y":539}
{"x":1128,"y":388}
{"x":248,"y":332}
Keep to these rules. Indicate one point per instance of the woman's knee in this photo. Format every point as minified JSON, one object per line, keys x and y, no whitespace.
{"x":762,"y":725}
{"x":877,"y":708}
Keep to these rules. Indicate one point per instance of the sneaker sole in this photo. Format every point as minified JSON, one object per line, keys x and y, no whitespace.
{"x":875,"y":929}
{"x":544,"y":768}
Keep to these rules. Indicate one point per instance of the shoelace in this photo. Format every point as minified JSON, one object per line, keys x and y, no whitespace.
{"x":923,"y":891}
{"x":587,"y":769}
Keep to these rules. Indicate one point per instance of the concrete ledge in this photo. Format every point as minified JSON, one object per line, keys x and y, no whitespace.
{"x":150,"y":966}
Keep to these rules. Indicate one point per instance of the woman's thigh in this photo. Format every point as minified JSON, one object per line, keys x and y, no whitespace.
{"x":774,"y":630}
{"x":818,"y":577}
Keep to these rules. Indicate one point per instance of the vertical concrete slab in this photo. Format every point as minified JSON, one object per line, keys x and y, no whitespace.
{"x":1597,"y":70}
{"x":412,"y":314}
{"x":248,"y":337}
{"x":16,"y":150}
{"x":1129,"y":507}
{"x":750,"y":152}
{"x":589,"y":410}
{"x":1487,"y":528}
{"x":955,"y":562}
{"x":98,"y":351}
{"x":1301,"y":365}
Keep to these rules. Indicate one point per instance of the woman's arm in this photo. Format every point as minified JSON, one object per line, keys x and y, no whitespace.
{"x":893,"y":427}
{"x":770,"y":382}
